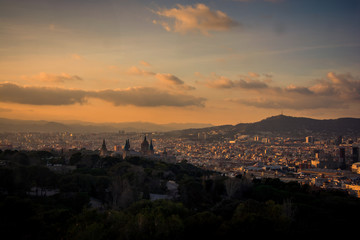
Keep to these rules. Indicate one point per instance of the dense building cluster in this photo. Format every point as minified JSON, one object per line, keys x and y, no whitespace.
{"x":323,"y":162}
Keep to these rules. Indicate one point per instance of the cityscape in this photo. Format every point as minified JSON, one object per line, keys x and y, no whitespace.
{"x":157,"y":120}
{"x":322,"y":162}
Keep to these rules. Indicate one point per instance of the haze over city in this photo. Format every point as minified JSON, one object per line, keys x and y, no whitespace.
{"x":216,"y":62}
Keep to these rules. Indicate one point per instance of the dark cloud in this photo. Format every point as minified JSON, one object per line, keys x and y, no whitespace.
{"x":148,"y":97}
{"x":250,"y":84}
{"x":333,"y":91}
{"x":345,"y":86}
{"x":169,"y":78}
{"x":40,"y":95}
{"x":144,"y":97}
{"x":166,"y":79}
{"x":300,"y":90}
{"x":173,"y":81}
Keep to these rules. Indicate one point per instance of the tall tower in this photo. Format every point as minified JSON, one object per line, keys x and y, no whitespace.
{"x":127,"y":145}
{"x":103,"y":149}
{"x":151,"y":148}
{"x":355,"y":154}
{"x":342,"y":156}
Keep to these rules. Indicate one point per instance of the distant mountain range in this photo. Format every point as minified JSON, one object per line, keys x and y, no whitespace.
{"x":284,"y":126}
{"x":280,"y":125}
{"x":14,"y":125}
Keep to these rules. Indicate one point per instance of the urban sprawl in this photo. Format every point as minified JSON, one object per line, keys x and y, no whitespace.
{"x":331,"y":163}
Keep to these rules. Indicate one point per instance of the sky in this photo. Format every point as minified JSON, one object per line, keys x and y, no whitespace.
{"x":218,"y":62}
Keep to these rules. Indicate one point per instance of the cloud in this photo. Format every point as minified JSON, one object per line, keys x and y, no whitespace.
{"x":165,"y":79}
{"x":148,"y":97}
{"x":137,"y":71}
{"x":172,"y":81}
{"x":253,"y":74}
{"x":169,"y":79}
{"x":344,"y":86}
{"x":332,"y":91}
{"x":138,"y":96}
{"x":146,"y":64}
{"x":40,"y":95}
{"x":195,"y":19}
{"x":53,"y":78}
{"x":220,"y":82}
{"x":247,"y":82}
{"x":300,"y":90}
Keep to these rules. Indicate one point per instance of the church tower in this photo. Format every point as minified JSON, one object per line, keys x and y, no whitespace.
{"x":103,"y":149}
{"x":127,"y":145}
{"x":151,"y":148}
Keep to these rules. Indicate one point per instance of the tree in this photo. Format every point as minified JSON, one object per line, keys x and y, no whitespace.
{"x":75,"y":158}
{"x":236,"y":188}
{"x":41,"y":177}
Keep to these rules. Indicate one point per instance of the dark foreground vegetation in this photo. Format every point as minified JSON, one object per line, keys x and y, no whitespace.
{"x":205,"y":205}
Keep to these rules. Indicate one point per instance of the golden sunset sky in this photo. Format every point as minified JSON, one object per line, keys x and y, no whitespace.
{"x":218,"y":62}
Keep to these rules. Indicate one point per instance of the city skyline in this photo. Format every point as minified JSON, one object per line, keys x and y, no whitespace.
{"x":217,"y":62}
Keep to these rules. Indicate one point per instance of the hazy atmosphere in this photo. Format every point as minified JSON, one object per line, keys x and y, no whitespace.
{"x":216,"y":62}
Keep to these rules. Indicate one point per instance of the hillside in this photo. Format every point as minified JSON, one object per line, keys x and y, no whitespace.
{"x":14,"y":125}
{"x":283,"y":125}
{"x":275,"y":125}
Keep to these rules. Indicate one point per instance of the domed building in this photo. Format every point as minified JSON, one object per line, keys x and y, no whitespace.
{"x":146,"y":151}
{"x":146,"y":148}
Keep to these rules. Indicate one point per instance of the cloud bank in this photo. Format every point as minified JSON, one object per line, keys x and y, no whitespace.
{"x":250,"y":81}
{"x":137,"y":96}
{"x":332,"y":91}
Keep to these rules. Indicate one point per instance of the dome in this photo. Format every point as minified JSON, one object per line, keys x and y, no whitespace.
{"x":144,"y":145}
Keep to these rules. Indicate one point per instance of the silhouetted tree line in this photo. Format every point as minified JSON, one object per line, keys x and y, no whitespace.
{"x":208,"y":205}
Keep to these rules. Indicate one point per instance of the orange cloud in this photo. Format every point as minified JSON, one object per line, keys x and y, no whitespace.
{"x":166,"y":79}
{"x":137,"y":71}
{"x":53,"y":78}
{"x":146,"y":64}
{"x":198,"y":18}
{"x":173,"y":82}
{"x":222,"y":82}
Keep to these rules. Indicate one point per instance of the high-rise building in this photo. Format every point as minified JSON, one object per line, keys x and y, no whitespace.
{"x":355,"y":154}
{"x":117,"y":148}
{"x":309,"y":139}
{"x":339,"y":140}
{"x":342,"y":154}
